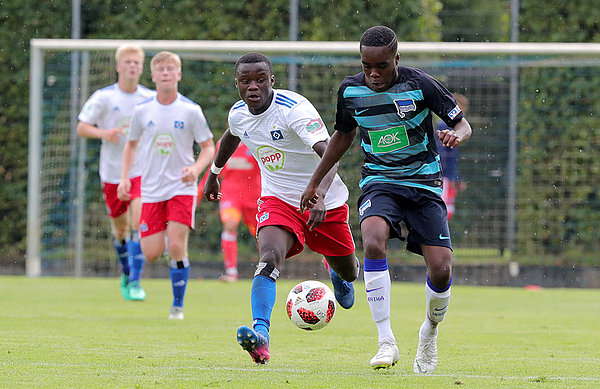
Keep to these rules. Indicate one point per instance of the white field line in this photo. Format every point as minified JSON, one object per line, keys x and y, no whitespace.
{"x":266,"y":369}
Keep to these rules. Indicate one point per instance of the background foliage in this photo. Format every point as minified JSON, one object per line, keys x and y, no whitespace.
{"x":345,"y":20}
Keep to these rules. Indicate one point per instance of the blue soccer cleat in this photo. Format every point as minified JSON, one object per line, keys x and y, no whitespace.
{"x":343,"y":290}
{"x":255,"y":343}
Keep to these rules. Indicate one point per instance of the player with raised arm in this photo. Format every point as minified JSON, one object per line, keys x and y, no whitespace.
{"x":287,"y":136}
{"x":163,"y":131}
{"x":106,"y":115}
{"x":390,"y":106}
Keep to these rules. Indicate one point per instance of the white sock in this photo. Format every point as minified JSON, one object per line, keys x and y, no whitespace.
{"x":378,"y":286}
{"x":436,"y":307}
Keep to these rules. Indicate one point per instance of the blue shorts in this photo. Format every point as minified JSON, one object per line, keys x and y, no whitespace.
{"x":423,"y":212}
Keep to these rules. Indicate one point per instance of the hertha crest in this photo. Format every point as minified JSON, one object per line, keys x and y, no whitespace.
{"x":403,"y":106}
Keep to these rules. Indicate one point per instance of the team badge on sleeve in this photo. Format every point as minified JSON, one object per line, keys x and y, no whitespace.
{"x":454,"y":113}
{"x":314,"y":125}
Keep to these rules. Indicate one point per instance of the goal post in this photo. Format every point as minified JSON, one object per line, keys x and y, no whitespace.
{"x":480,"y":70}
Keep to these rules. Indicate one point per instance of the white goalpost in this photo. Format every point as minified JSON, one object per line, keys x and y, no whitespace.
{"x":481,"y":70}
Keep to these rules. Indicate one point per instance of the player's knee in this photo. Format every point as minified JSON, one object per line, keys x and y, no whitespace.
{"x":440,"y":272}
{"x":267,"y":270}
{"x":374,"y":248}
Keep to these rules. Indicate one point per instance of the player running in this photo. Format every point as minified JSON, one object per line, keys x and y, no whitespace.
{"x":106,"y":115}
{"x":391,"y":106}
{"x":166,"y":127}
{"x":286,"y":135}
{"x":240,"y":188}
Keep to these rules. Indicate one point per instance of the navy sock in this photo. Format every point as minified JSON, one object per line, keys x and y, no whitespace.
{"x":136,"y":257}
{"x":122,"y":254}
{"x":263,"y":299}
{"x":179,"y":272}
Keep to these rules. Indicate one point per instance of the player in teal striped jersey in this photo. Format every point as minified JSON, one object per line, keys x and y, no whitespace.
{"x":391,"y":107}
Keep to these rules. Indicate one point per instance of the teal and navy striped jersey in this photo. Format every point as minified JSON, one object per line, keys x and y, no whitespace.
{"x":396,"y":130}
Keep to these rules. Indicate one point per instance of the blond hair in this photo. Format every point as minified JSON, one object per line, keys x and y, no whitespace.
{"x":165,"y":56}
{"x":128,"y":49}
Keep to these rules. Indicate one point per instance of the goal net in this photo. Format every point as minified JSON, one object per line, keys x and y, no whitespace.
{"x":530,"y":170}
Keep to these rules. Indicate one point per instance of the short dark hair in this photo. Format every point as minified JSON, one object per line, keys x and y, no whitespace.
{"x":253,"y":58}
{"x":378,"y":36}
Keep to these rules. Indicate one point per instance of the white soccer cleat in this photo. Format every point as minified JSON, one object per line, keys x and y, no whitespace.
{"x":388,"y":355}
{"x":426,"y":359}
{"x":176,"y":313}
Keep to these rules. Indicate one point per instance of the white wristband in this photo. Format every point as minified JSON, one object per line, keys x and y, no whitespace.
{"x":214,"y":169}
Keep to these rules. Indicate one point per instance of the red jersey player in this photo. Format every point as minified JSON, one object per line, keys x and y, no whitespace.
{"x":240,"y":188}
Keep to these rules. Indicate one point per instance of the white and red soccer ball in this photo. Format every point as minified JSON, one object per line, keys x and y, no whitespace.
{"x":310,"y":305}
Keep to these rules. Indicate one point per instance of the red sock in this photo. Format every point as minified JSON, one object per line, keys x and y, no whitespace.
{"x":230,"y":251}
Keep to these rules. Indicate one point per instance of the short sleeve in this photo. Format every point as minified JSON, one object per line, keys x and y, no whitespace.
{"x":344,"y":121}
{"x":92,"y":110}
{"x":440,"y":100}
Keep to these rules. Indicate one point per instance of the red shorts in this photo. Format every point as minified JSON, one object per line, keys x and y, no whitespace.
{"x":114,"y":206}
{"x":235,"y":209}
{"x":155,"y":216}
{"x":332,"y":238}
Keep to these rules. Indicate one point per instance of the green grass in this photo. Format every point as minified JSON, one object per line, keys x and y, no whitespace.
{"x":65,"y":332}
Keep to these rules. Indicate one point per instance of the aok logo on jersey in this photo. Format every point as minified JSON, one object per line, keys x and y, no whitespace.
{"x":164,"y":143}
{"x":392,"y":139}
{"x":272,"y":158}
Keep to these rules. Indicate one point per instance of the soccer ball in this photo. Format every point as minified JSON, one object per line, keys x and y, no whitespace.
{"x":310,"y":305}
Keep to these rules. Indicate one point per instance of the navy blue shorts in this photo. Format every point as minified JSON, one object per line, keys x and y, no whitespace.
{"x":423,"y":212}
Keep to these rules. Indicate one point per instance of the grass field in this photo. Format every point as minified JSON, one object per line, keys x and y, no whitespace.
{"x":65,"y":332}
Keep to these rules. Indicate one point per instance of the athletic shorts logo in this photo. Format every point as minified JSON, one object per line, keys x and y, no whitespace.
{"x":314,"y":125}
{"x":276,"y":135}
{"x":164,"y":143}
{"x":454,"y":113}
{"x":363,"y":207}
{"x":392,"y":139}
{"x":405,"y":105}
{"x":442,"y":237}
{"x":143,"y":227}
{"x":178,"y":125}
{"x":271,"y":158}
{"x":263,"y":217}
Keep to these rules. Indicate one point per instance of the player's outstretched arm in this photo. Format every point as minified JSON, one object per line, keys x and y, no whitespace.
{"x":228,"y":145}
{"x":339,"y":143}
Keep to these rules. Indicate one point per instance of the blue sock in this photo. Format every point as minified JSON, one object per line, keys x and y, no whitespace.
{"x":179,"y":272}
{"x":121,"y":248}
{"x":263,"y":299}
{"x":136,"y":257}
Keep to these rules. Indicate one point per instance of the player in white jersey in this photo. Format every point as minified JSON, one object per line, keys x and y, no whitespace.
{"x":165,"y":127}
{"x":286,"y":135}
{"x":106,"y":115}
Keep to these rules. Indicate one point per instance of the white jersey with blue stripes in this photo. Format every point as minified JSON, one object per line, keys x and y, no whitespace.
{"x":281,"y":140}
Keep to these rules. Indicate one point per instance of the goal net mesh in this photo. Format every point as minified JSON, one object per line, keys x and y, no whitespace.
{"x":557,"y":169}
